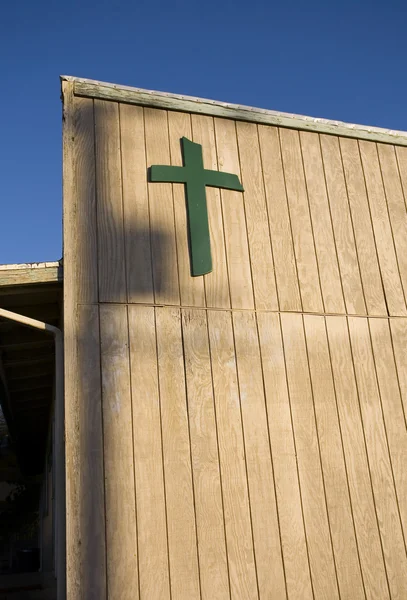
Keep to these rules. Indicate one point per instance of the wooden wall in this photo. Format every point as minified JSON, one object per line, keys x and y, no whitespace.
{"x":240,"y":435}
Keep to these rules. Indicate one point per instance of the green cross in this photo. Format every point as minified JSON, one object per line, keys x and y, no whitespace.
{"x":196,"y":178}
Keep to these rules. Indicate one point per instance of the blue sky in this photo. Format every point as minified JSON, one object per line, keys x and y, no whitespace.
{"x":335,"y":59}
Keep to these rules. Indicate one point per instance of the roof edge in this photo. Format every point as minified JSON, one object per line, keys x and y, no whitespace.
{"x":120,"y":93}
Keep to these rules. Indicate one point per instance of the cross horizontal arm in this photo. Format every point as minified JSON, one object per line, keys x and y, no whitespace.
{"x":167,"y":174}
{"x":222,"y":180}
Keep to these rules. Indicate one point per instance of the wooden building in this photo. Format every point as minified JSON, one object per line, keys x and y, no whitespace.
{"x":237,"y":435}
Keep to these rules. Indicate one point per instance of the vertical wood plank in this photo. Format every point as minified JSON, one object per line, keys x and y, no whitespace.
{"x":279,"y":220}
{"x":401,"y":156}
{"x":367,"y":534}
{"x":321,"y":223}
{"x":300,"y":221}
{"x":392,"y":406}
{"x":71,"y":362}
{"x":396,"y":206}
{"x":216,"y":283}
{"x":332,"y":458}
{"x":177,"y":457}
{"x":121,"y":533}
{"x":382,"y":229}
{"x":266,"y":532}
{"x":191,"y":288}
{"x":242,"y":567}
{"x":91,"y":499}
{"x":293,"y":542}
{"x":163,"y":242}
{"x":205,"y":460}
{"x":148,"y":463}
{"x":111,"y":252}
{"x":234,"y":219}
{"x":342,"y":224}
{"x":261,"y":257}
{"x":309,"y":465}
{"x":86,"y":228}
{"x":379,"y":461}
{"x":399,"y":337}
{"x":366,"y":249}
{"x":135,"y":205}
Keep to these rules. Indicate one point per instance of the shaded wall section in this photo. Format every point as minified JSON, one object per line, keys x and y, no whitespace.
{"x":239,"y":435}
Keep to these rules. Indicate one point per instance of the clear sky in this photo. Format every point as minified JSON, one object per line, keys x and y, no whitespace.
{"x":343,"y":60}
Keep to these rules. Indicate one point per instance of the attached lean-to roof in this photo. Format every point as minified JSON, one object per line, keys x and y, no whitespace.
{"x":107,"y":91}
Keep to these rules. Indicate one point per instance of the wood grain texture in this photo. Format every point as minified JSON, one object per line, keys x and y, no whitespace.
{"x":191,"y":288}
{"x":379,"y":461}
{"x":392,"y":407}
{"x":242,"y":567}
{"x":216,"y":283}
{"x":111,"y":250}
{"x":279,"y":220}
{"x":399,"y":338}
{"x":382,"y":230}
{"x":261,"y":256}
{"x":213,"y":565}
{"x":136,"y":214}
{"x":234,"y":219}
{"x":121,"y":527}
{"x":364,"y":513}
{"x":182,"y":540}
{"x":307,"y":267}
{"x":365,"y":244}
{"x":332,"y":458}
{"x":325,"y":246}
{"x":91,"y":545}
{"x":85,"y":201}
{"x":163,"y":242}
{"x":266,"y":533}
{"x":72,"y":454}
{"x":148,"y":460}
{"x":396,"y":206}
{"x":293,"y":541}
{"x":343,"y":227}
{"x":309,"y":463}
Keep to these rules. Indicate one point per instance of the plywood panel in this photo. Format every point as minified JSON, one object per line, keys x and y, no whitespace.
{"x":396,"y":206}
{"x":234,"y":219}
{"x":309,"y":464}
{"x":136,"y":212}
{"x":364,"y":513}
{"x":343,"y":227}
{"x":365,"y":244}
{"x":261,"y":257}
{"x":163,"y":242}
{"x":379,"y":460}
{"x":265,"y":524}
{"x":232,"y":457}
{"x":332,"y":459}
{"x":111,"y":252}
{"x":85,"y":200}
{"x":182,"y":541}
{"x":279,"y":220}
{"x":325,"y":246}
{"x":191,"y":288}
{"x":213,"y":565}
{"x":216,"y":283}
{"x":293,"y":541}
{"x":300,"y":221}
{"x":392,"y":406}
{"x":382,"y":230}
{"x":148,"y":463}
{"x":90,"y":502}
{"x":121,"y":529}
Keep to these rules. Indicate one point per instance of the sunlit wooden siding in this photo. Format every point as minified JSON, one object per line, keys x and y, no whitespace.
{"x":240,"y":435}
